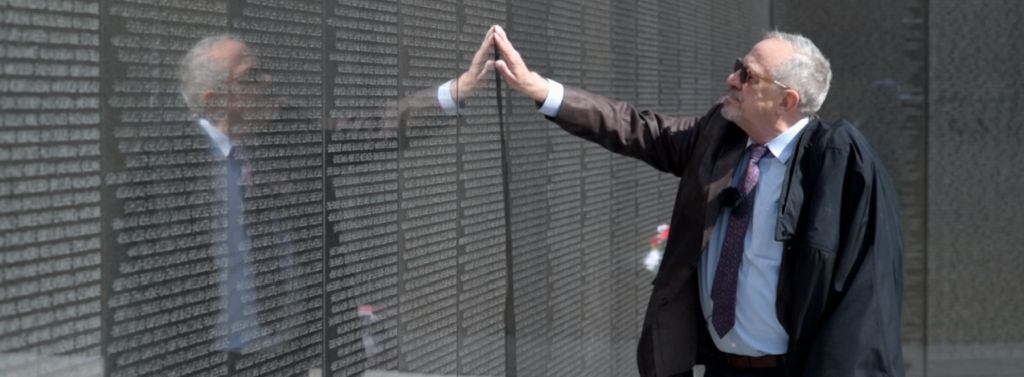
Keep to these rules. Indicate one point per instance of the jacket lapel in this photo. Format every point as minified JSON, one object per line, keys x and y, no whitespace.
{"x":720,"y":169}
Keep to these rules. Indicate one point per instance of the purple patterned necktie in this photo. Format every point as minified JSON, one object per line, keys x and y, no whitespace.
{"x":723,"y":289}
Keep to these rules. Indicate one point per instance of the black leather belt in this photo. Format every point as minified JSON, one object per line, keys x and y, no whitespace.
{"x":750,"y":362}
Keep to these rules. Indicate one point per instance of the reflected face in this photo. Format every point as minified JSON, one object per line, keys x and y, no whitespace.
{"x":756,"y":102}
{"x":246,"y":86}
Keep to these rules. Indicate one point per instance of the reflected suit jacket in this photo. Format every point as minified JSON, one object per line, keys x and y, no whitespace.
{"x":840,"y":281}
{"x":232,"y":255}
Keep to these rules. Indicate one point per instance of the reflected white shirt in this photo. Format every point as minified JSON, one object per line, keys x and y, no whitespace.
{"x":218,"y":138}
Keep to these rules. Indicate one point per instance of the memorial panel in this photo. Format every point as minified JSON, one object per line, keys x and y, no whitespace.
{"x":166,"y":200}
{"x":672,"y":88}
{"x":564,"y":193}
{"x":676,"y":83}
{"x":50,"y":177}
{"x":483,"y":254}
{"x":362,"y":186}
{"x":595,"y":247}
{"x":974,"y":259}
{"x":429,"y":187}
{"x":670,"y":44}
{"x":284,"y":203}
{"x":627,"y":316}
{"x":704,"y":40}
{"x":647,"y":54}
{"x":645,"y":178}
{"x":528,"y":153}
{"x":217,"y":245}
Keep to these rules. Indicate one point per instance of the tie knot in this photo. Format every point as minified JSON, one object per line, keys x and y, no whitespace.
{"x":757,"y":151}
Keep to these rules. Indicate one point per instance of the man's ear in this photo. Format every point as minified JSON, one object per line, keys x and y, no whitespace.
{"x":206,"y":97}
{"x":790,"y":101}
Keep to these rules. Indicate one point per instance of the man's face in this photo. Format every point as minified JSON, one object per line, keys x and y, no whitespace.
{"x":246,"y":86}
{"x":756,"y":102}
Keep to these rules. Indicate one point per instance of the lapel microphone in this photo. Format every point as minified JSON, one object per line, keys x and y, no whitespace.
{"x":730,"y":197}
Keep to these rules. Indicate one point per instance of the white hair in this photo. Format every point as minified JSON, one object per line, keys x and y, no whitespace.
{"x":807,"y":71}
{"x":199,"y":72}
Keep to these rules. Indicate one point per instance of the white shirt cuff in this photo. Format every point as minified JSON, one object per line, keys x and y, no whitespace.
{"x":553,"y":102}
{"x":444,"y":97}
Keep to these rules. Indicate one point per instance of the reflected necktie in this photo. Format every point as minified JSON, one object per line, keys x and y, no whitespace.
{"x":236,"y":265}
{"x":723,"y":289}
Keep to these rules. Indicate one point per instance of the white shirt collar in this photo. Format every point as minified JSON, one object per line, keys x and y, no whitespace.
{"x":219,"y":139}
{"x":782,"y":146}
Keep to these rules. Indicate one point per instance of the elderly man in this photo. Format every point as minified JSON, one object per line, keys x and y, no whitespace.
{"x":785,"y":257}
{"x":219,"y":81}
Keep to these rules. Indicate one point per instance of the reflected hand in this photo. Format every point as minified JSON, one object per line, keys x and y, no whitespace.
{"x":513,"y":68}
{"x":476,"y":75}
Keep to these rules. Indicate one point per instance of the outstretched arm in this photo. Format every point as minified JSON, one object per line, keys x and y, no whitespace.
{"x":665,"y":143}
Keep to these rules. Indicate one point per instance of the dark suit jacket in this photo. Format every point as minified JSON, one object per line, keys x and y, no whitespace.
{"x":840,"y":283}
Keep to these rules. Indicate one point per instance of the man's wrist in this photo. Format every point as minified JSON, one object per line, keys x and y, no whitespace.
{"x":445,"y":97}
{"x":458,"y":85}
{"x":543,"y":88}
{"x":553,"y":100}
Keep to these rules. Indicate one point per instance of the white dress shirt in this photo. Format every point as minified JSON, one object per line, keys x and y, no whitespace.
{"x":757,"y":330}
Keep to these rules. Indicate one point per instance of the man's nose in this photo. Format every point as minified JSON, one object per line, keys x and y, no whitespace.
{"x":733,"y":80}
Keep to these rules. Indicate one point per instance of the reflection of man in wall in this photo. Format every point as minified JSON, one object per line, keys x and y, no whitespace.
{"x":219,"y":80}
{"x":785,"y":256}
{"x":221,"y":83}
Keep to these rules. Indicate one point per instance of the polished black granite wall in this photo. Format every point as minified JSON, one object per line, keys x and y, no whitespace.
{"x":380,"y":234}
{"x":973,"y":304}
{"x":355,"y":227}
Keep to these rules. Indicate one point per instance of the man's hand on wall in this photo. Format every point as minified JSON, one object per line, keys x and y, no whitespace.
{"x":477,"y":73}
{"x":513,"y":68}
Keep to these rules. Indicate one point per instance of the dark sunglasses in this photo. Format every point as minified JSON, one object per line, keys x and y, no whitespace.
{"x":745,"y":74}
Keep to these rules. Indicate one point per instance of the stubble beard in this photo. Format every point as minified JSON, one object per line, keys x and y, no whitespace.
{"x":731,"y":111}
